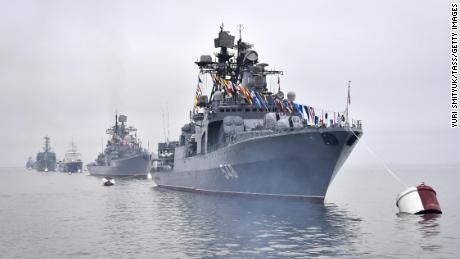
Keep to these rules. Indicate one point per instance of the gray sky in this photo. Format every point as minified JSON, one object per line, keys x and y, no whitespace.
{"x":66,"y":66}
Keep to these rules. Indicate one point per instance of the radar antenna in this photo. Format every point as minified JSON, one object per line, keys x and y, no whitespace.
{"x":240,"y":28}
{"x":164,"y":126}
{"x":167,"y":117}
{"x":348,"y":102}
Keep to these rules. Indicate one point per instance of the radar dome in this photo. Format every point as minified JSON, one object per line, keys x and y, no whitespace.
{"x":291,"y":96}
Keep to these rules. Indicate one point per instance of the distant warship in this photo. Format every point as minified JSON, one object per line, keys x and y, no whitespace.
{"x":123,"y":154}
{"x":72,"y":162}
{"x":30,"y":163}
{"x":247,"y":140}
{"x":46,"y":160}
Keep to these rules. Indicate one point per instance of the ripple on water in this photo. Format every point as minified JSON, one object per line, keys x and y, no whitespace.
{"x":50,"y":216}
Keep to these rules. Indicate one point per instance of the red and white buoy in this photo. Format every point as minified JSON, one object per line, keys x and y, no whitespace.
{"x":418,"y":200}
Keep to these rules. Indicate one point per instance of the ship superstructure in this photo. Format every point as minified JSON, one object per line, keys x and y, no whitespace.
{"x":123,"y":154}
{"x":248,"y":139}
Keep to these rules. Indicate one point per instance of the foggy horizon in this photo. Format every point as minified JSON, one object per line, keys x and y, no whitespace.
{"x":66,"y":67}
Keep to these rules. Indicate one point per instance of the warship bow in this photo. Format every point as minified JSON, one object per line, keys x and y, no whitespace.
{"x":248,"y":139}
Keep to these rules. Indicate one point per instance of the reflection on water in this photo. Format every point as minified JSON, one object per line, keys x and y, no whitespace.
{"x":52,"y":215}
{"x":429,"y":227}
{"x":423,"y":229}
{"x":247,"y":227}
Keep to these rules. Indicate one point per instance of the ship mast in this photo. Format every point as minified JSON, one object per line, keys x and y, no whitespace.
{"x":73,"y":148}
{"x":231,"y":67}
{"x":348,"y":103}
{"x":47,"y":148}
{"x":116,"y":123}
{"x":240,"y":29}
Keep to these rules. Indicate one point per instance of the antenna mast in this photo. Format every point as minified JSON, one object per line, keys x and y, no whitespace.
{"x":116,"y":122}
{"x":163,"y":119}
{"x":167,"y":117}
{"x":240,"y":29}
{"x":348,"y":101}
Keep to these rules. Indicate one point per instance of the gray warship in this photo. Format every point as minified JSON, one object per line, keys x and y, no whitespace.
{"x":30,"y":163}
{"x":247,"y":139}
{"x":46,"y":160}
{"x":123,"y":154}
{"x":72,"y":162}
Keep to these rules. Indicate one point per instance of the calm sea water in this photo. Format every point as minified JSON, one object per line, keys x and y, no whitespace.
{"x":53,"y":215}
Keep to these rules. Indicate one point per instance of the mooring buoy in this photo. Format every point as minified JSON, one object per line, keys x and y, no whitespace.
{"x":418,"y":200}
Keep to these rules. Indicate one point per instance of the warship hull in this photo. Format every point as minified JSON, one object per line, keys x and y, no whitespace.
{"x":45,"y":164}
{"x":298,"y":164}
{"x":72,"y":167}
{"x":138,"y":165}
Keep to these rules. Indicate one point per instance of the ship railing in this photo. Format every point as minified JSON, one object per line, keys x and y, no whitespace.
{"x":241,"y":136}
{"x":231,"y":105}
{"x":212,"y":148}
{"x":232,"y":139}
{"x":162,"y":165}
{"x":357,"y":124}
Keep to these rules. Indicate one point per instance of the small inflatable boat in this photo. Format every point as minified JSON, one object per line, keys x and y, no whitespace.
{"x":108,"y":181}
